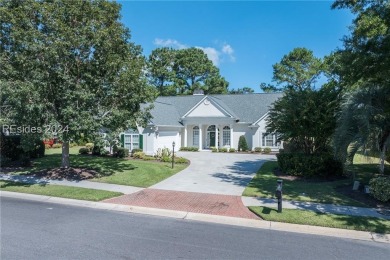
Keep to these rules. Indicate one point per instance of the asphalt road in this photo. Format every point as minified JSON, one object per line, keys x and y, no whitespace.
{"x":36,"y":230}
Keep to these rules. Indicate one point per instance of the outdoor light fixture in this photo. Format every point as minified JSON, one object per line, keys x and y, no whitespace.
{"x":173,"y":153}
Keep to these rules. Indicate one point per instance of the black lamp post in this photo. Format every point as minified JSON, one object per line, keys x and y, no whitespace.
{"x":173,"y":153}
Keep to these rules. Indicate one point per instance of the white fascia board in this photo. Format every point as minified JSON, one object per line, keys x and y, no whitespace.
{"x":261,"y":118}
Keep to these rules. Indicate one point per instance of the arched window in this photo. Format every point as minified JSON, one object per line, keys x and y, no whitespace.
{"x":226,"y":136}
{"x":195,"y":136}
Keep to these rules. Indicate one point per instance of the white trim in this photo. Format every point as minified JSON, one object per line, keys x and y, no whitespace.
{"x":261,"y":118}
{"x":211,"y":102}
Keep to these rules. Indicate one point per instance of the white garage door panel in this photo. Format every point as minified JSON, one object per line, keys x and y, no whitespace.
{"x":165,"y":139}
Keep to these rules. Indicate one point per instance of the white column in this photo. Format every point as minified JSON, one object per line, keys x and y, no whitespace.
{"x":185,"y":135}
{"x":216,"y":136}
{"x":231,"y":137}
{"x":221,"y":136}
{"x":200,"y":138}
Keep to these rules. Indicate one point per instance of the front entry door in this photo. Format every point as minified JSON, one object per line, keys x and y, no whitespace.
{"x":212,"y":139}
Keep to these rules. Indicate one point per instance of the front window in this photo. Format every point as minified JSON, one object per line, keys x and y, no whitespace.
{"x":195,"y":136}
{"x":226,"y":136}
{"x":131,"y":141}
{"x":268,"y":139}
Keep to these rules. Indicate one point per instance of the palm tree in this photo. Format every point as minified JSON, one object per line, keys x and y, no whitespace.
{"x":364,"y":123}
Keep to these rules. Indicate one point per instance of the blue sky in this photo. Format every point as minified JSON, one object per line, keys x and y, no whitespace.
{"x":243,"y":39}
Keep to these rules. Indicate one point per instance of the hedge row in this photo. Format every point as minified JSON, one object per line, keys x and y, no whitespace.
{"x":321,"y":165}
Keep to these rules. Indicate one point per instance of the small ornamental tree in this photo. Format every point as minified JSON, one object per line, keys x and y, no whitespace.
{"x":242,"y":144}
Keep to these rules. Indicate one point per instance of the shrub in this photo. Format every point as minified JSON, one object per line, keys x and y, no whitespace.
{"x":135,"y":151}
{"x":83,"y":150}
{"x":10,"y":147}
{"x":56,"y":146}
{"x":148,"y":158}
{"x":232,"y":150}
{"x":297,"y":164}
{"x":39,"y":149}
{"x":166,"y":159}
{"x":72,"y":144}
{"x":139,"y":155}
{"x":4,"y":161}
{"x":104,"y":152}
{"x":97,"y":150}
{"x":47,"y":146}
{"x":223,"y":150}
{"x":180,"y":160}
{"x":189,"y":149}
{"x":89,"y":146}
{"x":242,"y":144}
{"x":122,"y":152}
{"x":267,"y":150}
{"x":214,"y":149}
{"x":380,"y":188}
{"x":258,"y":149}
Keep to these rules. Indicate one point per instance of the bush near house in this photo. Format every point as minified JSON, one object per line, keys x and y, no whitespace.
{"x":267,"y":150}
{"x":137,"y":150}
{"x":189,"y":149}
{"x":380,"y":188}
{"x":258,"y":149}
{"x":179,"y":160}
{"x":83,"y":150}
{"x":89,"y":146}
{"x":56,"y":146}
{"x":121,"y":152}
{"x":242,"y":144}
{"x":214,"y":149}
{"x":298,"y":164}
{"x":232,"y":150}
{"x":223,"y":150}
{"x":139,"y":155}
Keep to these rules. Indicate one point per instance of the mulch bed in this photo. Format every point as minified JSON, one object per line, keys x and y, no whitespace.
{"x":67,"y":174}
{"x":362,"y":197}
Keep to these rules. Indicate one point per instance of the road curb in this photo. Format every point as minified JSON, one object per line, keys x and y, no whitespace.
{"x":242,"y":222}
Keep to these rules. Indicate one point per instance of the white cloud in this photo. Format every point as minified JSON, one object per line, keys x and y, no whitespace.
{"x":216,"y":56}
{"x":170,"y":43}
{"x":228,"y":50}
{"x":212,"y":54}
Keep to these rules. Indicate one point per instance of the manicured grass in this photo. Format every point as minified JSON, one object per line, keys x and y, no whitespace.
{"x":305,"y":217}
{"x":59,"y":191}
{"x":264,"y":185}
{"x":112,"y":170}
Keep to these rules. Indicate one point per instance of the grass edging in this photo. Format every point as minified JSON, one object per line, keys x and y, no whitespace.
{"x":305,"y":217}
{"x":53,"y":190}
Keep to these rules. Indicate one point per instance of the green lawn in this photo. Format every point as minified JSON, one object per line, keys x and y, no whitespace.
{"x":305,"y":217}
{"x":59,"y":191}
{"x":112,"y":170}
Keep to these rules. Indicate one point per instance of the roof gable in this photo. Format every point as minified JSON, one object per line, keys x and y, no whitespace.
{"x":207,"y":108}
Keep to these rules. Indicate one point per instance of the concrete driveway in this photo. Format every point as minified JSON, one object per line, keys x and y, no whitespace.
{"x":215,"y":173}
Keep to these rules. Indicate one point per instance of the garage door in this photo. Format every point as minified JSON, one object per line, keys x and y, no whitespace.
{"x":165,"y":140}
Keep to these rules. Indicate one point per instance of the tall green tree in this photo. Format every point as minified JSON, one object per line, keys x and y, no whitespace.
{"x":244,"y":90}
{"x":194,"y":70}
{"x":299,"y":70}
{"x":160,"y":70}
{"x":72,"y":64}
{"x":364,"y":66}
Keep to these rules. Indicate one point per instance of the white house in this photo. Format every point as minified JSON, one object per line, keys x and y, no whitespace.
{"x":205,"y":121}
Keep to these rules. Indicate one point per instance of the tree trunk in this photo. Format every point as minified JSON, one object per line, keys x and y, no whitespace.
{"x":65,"y":155}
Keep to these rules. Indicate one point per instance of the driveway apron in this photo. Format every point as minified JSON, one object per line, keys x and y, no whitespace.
{"x":215,"y":173}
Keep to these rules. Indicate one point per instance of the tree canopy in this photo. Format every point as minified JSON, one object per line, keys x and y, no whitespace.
{"x":70,"y":64}
{"x":180,"y":72}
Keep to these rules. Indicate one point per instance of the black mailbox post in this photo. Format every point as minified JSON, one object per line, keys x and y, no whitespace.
{"x":278,"y":194}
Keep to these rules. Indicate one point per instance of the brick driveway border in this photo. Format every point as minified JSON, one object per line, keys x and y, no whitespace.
{"x":214,"y":204}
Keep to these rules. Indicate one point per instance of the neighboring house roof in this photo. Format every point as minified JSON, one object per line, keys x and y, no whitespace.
{"x":246,"y":108}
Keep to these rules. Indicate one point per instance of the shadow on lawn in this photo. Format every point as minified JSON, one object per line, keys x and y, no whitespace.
{"x":241,"y":172}
{"x":105,"y":166}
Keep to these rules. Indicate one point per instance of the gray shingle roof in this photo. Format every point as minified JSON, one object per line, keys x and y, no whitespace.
{"x":247,"y":108}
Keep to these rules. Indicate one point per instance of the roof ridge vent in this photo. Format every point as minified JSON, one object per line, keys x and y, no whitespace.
{"x":198,"y":92}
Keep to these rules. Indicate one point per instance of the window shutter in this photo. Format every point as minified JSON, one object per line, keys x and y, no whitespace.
{"x":141,"y":142}
{"x":122,"y":140}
